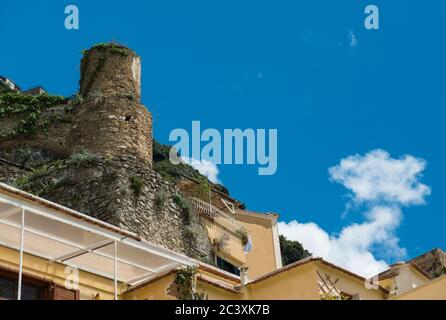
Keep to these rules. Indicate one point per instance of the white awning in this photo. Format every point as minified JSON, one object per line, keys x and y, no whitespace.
{"x":77,"y":240}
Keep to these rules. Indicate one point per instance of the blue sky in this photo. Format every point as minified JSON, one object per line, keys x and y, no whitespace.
{"x":287,"y":65}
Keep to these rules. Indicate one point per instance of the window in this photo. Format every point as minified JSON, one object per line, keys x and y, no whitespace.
{"x":225,"y":265}
{"x":33,"y":288}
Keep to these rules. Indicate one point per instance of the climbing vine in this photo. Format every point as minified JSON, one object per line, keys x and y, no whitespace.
{"x":29,"y":107}
{"x":185,"y":283}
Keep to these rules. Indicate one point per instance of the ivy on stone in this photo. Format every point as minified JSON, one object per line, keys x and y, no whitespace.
{"x":185,"y":282}
{"x":29,"y":108}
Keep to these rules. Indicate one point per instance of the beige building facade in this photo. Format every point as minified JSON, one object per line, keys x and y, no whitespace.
{"x":56,"y":253}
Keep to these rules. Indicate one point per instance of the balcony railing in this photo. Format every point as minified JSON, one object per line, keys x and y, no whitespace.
{"x":225,"y":219}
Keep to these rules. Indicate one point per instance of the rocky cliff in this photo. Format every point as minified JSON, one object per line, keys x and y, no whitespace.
{"x":93,"y":153}
{"x":433,"y":262}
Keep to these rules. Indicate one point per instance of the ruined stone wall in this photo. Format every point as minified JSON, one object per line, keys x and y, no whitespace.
{"x":10,"y":174}
{"x":53,"y":136}
{"x":114,"y":126}
{"x":111,"y":120}
{"x":126,"y":192}
{"x":98,"y":160}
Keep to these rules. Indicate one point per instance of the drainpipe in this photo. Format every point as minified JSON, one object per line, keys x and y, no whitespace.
{"x":244,"y":275}
{"x":243,"y":283}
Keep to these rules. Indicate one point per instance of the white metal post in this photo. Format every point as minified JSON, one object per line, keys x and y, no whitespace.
{"x":22,"y":234}
{"x":115,"y":277}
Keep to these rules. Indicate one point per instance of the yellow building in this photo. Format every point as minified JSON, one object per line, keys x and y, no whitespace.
{"x":51,"y":252}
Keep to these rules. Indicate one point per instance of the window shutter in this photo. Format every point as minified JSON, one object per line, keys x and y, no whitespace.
{"x":62,"y":293}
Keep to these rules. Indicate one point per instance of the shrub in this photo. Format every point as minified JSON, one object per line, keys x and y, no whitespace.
{"x":186,"y":207}
{"x":244,"y":235}
{"x":136,"y":184}
{"x":160,"y":199}
{"x":22,"y":182}
{"x":82,"y":159}
{"x":40,"y":171}
{"x":174,"y":173}
{"x":76,"y":101}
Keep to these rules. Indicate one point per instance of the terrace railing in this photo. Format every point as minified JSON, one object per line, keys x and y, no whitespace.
{"x":224,"y":219}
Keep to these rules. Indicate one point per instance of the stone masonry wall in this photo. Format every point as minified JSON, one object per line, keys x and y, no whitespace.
{"x":104,"y":188}
{"x":98,"y":160}
{"x":111,"y":120}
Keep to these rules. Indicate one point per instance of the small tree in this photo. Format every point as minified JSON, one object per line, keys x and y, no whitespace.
{"x":292,"y":251}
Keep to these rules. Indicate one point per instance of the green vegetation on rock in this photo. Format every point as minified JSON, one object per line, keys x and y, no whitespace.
{"x":174,"y":173}
{"x":29,"y":109}
{"x":160,"y":199}
{"x":186,"y":207}
{"x":136,"y":184}
{"x":4,"y":88}
{"x":82,"y":159}
{"x":185,"y":282}
{"x":114,"y":48}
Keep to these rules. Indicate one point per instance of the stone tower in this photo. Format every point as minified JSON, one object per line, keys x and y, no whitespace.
{"x":111,"y":119}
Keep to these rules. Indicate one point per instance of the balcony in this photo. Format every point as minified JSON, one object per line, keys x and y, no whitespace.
{"x":224,"y":219}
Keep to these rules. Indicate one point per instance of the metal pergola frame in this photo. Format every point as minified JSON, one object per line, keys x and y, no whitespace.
{"x":99,"y":228}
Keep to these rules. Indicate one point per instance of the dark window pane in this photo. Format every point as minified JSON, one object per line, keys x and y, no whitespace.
{"x":8,"y":290}
{"x":225,"y":265}
{"x":31,"y":293}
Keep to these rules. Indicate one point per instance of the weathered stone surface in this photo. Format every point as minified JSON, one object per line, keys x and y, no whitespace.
{"x":118,"y":184}
{"x":9,"y":174}
{"x":111,"y":120}
{"x":114,"y":126}
{"x":433,"y":262}
{"x":104,"y":190}
{"x":55,"y":137}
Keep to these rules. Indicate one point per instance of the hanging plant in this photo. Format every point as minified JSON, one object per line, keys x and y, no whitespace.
{"x":243,"y":234}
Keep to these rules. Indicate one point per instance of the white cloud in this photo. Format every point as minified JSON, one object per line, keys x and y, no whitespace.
{"x":353,"y":41}
{"x":205,"y":167}
{"x":382,"y":183}
{"x":378,"y":177}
